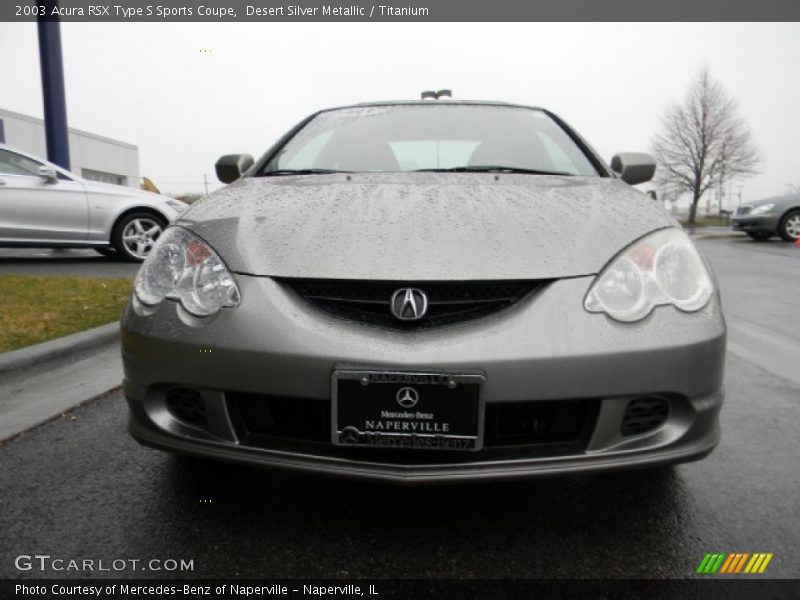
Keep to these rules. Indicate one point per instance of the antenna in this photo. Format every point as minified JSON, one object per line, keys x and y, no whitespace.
{"x":440,"y":95}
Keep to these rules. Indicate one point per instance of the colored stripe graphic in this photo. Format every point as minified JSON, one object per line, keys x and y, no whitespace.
{"x":766,"y":562}
{"x":753,"y":564}
{"x":703,"y":563}
{"x":741,"y":562}
{"x":711,"y":562}
{"x":728,"y":563}
{"x":758,"y":563}
{"x":734,"y":562}
{"x":718,"y":563}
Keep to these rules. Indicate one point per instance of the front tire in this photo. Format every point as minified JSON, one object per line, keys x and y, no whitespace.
{"x":789,"y":229}
{"x":759,"y":236}
{"x":136,"y":233}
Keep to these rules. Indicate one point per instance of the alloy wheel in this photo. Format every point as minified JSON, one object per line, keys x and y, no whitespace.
{"x":140,"y":235}
{"x":792,"y":226}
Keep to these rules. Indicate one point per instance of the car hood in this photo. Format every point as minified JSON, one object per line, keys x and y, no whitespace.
{"x":423,"y":226}
{"x":111,"y":189}
{"x":780,"y":201}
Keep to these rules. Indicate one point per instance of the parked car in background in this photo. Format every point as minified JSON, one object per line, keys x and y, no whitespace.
{"x":45,"y":206}
{"x":427,"y":291}
{"x":765,"y":218}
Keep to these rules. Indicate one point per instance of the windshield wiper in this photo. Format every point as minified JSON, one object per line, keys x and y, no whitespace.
{"x":300,"y":172}
{"x":493,"y":169}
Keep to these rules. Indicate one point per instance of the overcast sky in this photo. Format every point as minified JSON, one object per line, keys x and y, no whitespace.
{"x":150,"y":84}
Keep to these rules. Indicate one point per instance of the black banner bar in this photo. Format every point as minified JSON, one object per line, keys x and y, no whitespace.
{"x":400,"y":10}
{"x":383,"y":589}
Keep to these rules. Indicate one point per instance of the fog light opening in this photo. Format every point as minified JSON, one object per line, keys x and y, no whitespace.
{"x":643,"y":415}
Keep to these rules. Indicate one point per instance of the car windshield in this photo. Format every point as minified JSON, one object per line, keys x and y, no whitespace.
{"x":431,"y":137}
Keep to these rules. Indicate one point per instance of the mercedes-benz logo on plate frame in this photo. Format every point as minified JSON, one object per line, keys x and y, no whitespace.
{"x":409,"y":304}
{"x":349,"y":435}
{"x":407,"y":397}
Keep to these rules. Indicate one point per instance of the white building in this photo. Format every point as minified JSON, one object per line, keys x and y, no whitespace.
{"x":91,"y":156}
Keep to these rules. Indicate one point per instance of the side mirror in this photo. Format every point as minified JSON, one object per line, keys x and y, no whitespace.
{"x":231,"y":166}
{"x":48,"y":174}
{"x":633,"y":167}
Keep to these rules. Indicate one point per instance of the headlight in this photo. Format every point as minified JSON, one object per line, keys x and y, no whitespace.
{"x":183,"y":267}
{"x":661,"y":268}
{"x":761,"y":209}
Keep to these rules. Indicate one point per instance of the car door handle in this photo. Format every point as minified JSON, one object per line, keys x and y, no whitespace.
{"x":2,"y":181}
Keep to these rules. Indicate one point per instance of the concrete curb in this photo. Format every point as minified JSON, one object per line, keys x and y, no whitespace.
{"x":710,"y":236}
{"x":46,"y":351}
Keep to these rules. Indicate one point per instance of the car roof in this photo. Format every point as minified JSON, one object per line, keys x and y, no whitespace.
{"x":432,"y":103}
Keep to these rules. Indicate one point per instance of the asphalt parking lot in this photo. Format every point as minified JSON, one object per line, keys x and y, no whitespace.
{"x":80,"y":487}
{"x":66,"y":261}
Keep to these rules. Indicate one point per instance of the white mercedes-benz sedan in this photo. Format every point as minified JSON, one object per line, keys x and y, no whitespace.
{"x":45,"y":206}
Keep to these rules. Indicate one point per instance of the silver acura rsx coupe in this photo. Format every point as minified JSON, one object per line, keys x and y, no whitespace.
{"x":424,"y":292}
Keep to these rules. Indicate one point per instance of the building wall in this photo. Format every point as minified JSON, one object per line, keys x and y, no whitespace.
{"x":91,"y":156}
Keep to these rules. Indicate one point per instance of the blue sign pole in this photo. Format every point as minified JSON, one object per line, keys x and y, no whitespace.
{"x":55,"y":105}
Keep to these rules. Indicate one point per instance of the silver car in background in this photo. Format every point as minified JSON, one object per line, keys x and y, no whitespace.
{"x":763,"y":219}
{"x":427,"y":292}
{"x":45,"y":206}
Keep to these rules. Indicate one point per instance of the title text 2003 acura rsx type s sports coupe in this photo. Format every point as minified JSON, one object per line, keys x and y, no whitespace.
{"x":427,"y":291}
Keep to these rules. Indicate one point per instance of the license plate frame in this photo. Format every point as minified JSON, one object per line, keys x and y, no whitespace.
{"x":439,"y":395}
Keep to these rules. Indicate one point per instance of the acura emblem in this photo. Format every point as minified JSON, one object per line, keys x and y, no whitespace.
{"x":407,"y":397}
{"x":409,"y":304}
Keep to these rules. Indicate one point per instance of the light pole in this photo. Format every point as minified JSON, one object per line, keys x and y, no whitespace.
{"x":55,"y":106}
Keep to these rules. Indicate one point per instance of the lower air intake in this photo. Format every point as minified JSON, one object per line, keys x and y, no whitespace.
{"x":644,"y":414}
{"x":186,"y":405}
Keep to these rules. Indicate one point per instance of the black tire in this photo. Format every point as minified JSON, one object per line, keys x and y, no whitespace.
{"x":107,"y":251}
{"x":789,"y":228}
{"x":759,"y":236}
{"x":145,"y":224}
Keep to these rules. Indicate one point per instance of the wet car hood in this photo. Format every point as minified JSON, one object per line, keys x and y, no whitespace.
{"x":423,"y":226}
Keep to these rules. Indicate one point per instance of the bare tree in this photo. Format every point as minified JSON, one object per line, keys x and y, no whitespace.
{"x":703,"y":142}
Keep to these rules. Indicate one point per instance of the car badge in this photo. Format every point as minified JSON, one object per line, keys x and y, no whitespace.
{"x":407,"y":397}
{"x":409,"y":304}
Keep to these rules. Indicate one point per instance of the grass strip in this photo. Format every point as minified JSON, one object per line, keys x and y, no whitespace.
{"x":34,"y":309}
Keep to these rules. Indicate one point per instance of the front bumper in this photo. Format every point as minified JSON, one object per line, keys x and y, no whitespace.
{"x":545,"y":348}
{"x":755,"y":224}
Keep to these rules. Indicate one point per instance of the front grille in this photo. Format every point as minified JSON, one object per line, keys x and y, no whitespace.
{"x":744,"y":210}
{"x":644,"y":414}
{"x":369,"y":302}
{"x":511,"y":430}
{"x":186,"y":405}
